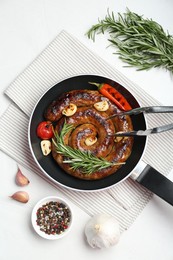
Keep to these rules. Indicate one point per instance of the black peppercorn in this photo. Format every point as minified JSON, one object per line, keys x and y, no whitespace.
{"x":53,"y":217}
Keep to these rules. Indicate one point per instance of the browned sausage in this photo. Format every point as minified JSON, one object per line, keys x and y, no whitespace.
{"x":78,"y":97}
{"x":87,"y":121}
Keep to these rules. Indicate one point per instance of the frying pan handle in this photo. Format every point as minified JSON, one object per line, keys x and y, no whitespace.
{"x":156,"y":182}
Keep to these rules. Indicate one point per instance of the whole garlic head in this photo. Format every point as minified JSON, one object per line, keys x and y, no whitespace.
{"x":102,"y":231}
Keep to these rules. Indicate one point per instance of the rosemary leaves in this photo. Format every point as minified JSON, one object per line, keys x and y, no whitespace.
{"x":76,"y":158}
{"x":141,"y":43}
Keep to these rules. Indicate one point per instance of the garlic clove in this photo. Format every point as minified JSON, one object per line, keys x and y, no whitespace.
{"x":118,"y":139}
{"x":102,"y":105}
{"x":46,"y":147}
{"x":21,"y":179}
{"x":102,"y":231}
{"x":21,"y":196}
{"x":90,"y":140}
{"x":69,"y":110}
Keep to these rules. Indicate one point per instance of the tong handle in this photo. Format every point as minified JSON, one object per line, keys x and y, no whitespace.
{"x":147,"y":110}
{"x":153,"y":109}
{"x":146,"y":132}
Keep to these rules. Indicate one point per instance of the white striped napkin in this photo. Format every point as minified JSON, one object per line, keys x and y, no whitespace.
{"x":66,"y":57}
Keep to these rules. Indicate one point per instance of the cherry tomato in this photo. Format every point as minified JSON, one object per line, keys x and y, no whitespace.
{"x":45,"y":130}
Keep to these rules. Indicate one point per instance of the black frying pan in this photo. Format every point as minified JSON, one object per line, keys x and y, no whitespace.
{"x":149,"y":176}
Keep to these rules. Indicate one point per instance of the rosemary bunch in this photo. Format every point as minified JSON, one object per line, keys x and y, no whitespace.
{"x":141,"y":43}
{"x":79,"y":159}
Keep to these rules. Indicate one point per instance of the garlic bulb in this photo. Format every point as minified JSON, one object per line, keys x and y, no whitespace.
{"x":102,"y":231}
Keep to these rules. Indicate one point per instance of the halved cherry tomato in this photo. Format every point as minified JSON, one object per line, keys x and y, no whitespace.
{"x":45,"y":130}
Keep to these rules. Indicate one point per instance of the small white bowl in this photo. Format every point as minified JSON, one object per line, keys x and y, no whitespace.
{"x":34,"y":218}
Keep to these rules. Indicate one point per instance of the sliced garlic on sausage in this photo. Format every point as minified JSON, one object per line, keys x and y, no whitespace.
{"x":46,"y":147}
{"x":69,"y":110}
{"x":90,"y":140}
{"x":102,"y":105}
{"x":118,"y":139}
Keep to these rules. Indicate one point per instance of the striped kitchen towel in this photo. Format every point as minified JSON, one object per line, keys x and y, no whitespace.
{"x":65,"y":57}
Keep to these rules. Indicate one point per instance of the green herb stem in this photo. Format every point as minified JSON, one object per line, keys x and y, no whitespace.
{"x":141,"y":42}
{"x":77,"y":158}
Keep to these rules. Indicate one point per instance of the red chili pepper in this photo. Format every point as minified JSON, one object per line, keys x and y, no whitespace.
{"x":114,"y":95}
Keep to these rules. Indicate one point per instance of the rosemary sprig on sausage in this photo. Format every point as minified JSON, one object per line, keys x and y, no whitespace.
{"x":79,"y":159}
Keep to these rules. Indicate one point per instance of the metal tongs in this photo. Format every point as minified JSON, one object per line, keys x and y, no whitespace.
{"x":146,"y":110}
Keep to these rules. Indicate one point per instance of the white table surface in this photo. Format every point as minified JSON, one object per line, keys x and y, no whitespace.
{"x":27,"y":26}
